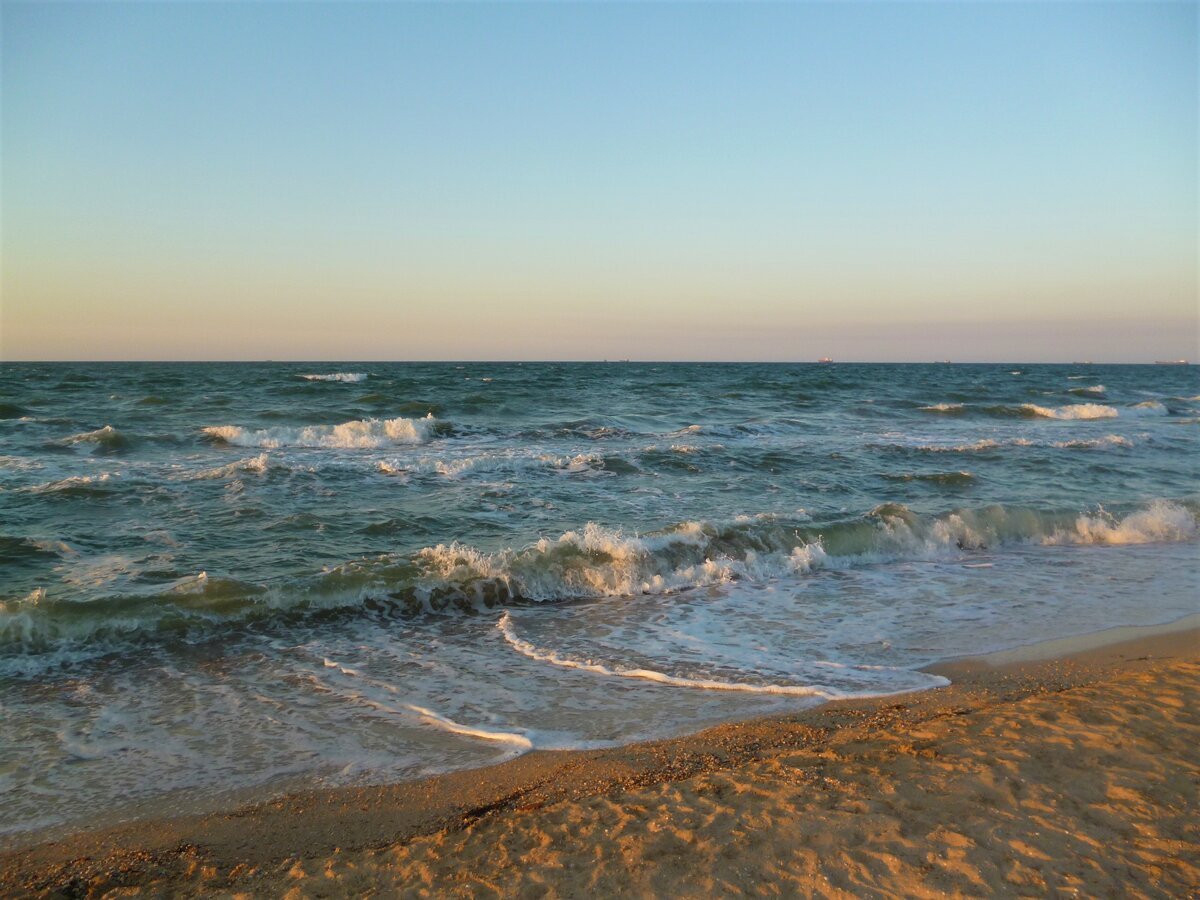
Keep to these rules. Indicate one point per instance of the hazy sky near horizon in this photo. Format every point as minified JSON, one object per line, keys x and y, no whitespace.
{"x":889,"y":181}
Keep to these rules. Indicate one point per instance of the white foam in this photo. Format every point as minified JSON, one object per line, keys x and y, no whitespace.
{"x":525,"y":648}
{"x":985,"y":444}
{"x":347,"y":377}
{"x":73,"y":481}
{"x":593,"y":562}
{"x":503,"y":737}
{"x":1109,"y":440}
{"x":1161,"y":521}
{"x":357,"y":434}
{"x":943,"y":407}
{"x":393,"y":469}
{"x":19,"y":464}
{"x":976,"y":447}
{"x":1074,"y":411}
{"x":425,"y":715}
{"x":254,"y":465}
{"x":505,"y":462}
{"x":107,"y":435}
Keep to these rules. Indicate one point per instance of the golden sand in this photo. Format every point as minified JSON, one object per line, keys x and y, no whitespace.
{"x":1071,"y":776}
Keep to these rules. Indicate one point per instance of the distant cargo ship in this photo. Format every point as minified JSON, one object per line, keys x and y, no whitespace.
{"x":1170,"y":362}
{"x":824,"y":359}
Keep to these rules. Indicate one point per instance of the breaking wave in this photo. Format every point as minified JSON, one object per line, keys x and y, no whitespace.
{"x":1068,"y":412}
{"x":1109,"y":440}
{"x":256,"y":465}
{"x":357,"y":434}
{"x":1073,"y":411}
{"x":345,"y":377}
{"x":81,"y":485}
{"x":1148,"y":408}
{"x":988,"y":445}
{"x":592,"y":562}
{"x":107,"y":440}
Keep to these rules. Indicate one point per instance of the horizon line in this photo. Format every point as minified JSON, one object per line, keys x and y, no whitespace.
{"x":630,"y":361}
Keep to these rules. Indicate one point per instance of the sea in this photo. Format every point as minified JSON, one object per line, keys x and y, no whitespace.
{"x":230,"y":580}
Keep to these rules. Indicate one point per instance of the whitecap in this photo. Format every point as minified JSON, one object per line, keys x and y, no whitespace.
{"x":254,"y":464}
{"x":1073,"y":411}
{"x":345,"y":377}
{"x":944,"y":408}
{"x":1161,"y":521}
{"x":357,"y":434}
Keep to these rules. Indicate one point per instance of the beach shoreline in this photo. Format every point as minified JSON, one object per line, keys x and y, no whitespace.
{"x":346,"y":840}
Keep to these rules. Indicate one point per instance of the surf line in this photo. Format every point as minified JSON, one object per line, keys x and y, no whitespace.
{"x":429,"y":717}
{"x":525,"y":648}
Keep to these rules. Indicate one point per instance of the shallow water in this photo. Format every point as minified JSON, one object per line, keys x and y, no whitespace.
{"x":224,"y":576}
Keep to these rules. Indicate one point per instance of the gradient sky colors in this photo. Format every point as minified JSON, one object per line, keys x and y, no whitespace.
{"x":456,"y":181}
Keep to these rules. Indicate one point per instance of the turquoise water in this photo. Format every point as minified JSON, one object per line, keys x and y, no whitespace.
{"x":234,"y":576}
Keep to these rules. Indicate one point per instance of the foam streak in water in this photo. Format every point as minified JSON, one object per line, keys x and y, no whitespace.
{"x":525,"y":648}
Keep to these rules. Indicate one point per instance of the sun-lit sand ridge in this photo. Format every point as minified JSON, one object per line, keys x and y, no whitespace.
{"x":1072,"y":775}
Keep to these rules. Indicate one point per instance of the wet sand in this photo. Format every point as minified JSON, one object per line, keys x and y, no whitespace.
{"x":1075,"y":774}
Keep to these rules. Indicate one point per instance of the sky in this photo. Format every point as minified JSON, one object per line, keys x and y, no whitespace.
{"x":389,"y":181}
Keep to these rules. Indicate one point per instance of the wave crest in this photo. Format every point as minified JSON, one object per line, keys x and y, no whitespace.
{"x":592,"y":562}
{"x":1073,"y":411}
{"x":344,"y":377}
{"x":358,"y":434}
{"x":106,"y":439}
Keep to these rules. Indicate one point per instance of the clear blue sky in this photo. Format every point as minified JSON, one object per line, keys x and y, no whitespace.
{"x":1010,"y":181}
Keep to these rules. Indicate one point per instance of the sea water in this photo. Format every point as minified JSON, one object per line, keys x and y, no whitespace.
{"x":246,"y":577}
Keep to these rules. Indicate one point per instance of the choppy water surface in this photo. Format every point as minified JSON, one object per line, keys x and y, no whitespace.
{"x":222,"y":576}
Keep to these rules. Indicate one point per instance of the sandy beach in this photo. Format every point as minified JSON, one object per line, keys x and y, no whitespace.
{"x":1076,"y":774}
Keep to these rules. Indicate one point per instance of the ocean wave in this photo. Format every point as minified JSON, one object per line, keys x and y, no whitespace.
{"x":1160,"y":522}
{"x":506,"y":462}
{"x":595,"y":562}
{"x":990,"y":445}
{"x":107,"y":440}
{"x":344,"y":377}
{"x":19,"y":550}
{"x":12,"y":411}
{"x":256,"y":465}
{"x":1069,"y":412}
{"x":358,"y":434}
{"x":1109,"y":440}
{"x":19,"y":464}
{"x":1094,"y":390}
{"x":952,"y":479}
{"x":1147,"y":408}
{"x":983,"y":445}
{"x":83,"y":485}
{"x":592,"y":562}
{"x":1073,"y":411}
